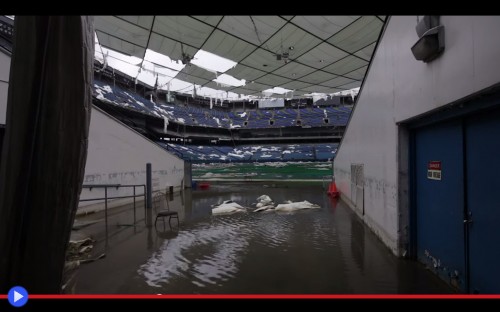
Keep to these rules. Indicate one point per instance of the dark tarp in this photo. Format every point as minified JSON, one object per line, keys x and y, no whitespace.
{"x":43,"y":159}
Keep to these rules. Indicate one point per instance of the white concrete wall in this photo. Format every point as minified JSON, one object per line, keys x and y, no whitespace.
{"x":397,"y":88}
{"x":118,"y":155}
{"x":4,"y":85}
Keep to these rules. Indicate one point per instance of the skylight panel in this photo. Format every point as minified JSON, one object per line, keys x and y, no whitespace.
{"x":212,"y":62}
{"x":227,"y":80}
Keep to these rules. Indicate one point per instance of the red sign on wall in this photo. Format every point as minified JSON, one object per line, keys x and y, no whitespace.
{"x":434,"y":170}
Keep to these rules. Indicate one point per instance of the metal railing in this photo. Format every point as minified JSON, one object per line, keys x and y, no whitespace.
{"x":117,"y":186}
{"x":326,"y":181}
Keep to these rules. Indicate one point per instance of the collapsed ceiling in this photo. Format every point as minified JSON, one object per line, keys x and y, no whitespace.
{"x":248,"y":56}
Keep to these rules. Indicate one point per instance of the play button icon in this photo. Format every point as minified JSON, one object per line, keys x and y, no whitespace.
{"x":17,"y":296}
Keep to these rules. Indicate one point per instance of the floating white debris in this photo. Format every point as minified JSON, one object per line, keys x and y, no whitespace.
{"x":265,"y":203}
{"x":265,"y":208}
{"x":292,"y":206}
{"x":227,"y":207}
{"x":264,"y":200}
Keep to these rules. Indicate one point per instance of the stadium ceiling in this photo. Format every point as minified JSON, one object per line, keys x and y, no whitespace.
{"x":305,"y":54}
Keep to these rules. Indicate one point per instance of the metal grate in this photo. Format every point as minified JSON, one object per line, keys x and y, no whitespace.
{"x":357,"y":174}
{"x":357,"y":187}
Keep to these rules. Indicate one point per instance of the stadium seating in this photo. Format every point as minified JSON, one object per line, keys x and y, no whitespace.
{"x":253,"y":153}
{"x":214,"y":118}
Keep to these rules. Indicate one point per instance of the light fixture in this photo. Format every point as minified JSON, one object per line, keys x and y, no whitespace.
{"x":430,"y":44}
{"x":284,"y":55}
{"x":186,"y":59}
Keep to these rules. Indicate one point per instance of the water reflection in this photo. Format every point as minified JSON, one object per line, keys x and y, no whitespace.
{"x":358,"y":242}
{"x":206,"y":255}
{"x":326,"y":250}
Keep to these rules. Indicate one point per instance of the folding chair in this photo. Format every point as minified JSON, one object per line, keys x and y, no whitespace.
{"x":158,"y":198}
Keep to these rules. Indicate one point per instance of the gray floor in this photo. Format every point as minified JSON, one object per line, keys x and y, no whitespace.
{"x":320,"y":251}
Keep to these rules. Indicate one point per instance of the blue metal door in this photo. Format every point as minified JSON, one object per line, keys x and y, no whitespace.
{"x":439,"y":201}
{"x":483,"y":188}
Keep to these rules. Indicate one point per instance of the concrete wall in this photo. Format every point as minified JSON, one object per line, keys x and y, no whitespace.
{"x":118,"y":155}
{"x":4,"y":85}
{"x":397,"y":88}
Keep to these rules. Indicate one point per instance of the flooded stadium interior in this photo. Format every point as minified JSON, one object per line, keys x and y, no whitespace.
{"x":326,"y":250}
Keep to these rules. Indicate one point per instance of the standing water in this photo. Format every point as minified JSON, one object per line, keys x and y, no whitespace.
{"x":321,"y":251}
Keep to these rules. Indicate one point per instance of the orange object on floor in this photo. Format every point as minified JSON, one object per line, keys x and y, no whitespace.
{"x":203,"y":185}
{"x":332,"y":190}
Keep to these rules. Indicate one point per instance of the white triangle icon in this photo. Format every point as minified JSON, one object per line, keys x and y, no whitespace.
{"x":17,"y":296}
